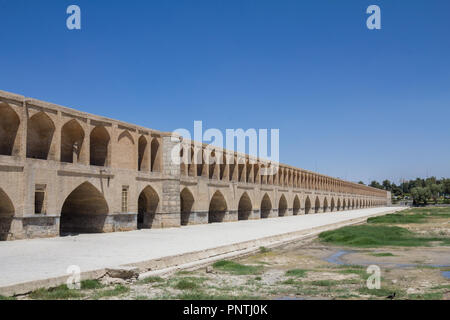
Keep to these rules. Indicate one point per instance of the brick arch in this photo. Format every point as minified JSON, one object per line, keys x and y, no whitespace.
{"x":338,"y":205}
{"x":282,"y":206}
{"x":40,"y":132}
{"x":308,"y":205}
{"x":100,"y":147}
{"x":143,"y":154}
{"x":72,"y":137}
{"x":9,"y":127}
{"x":266,"y":206}
{"x":187,"y":201}
{"x":317,"y":205}
{"x":325,"y":204}
{"x":245,"y":207}
{"x":6,"y":215}
{"x":148,"y":207}
{"x":332,"y":205}
{"x":84,"y":210}
{"x":296,"y":206}
{"x":218,"y":208}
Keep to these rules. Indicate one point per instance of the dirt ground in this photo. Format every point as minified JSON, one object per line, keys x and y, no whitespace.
{"x":307,"y":269}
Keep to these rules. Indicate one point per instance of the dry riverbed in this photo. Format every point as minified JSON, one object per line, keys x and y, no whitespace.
{"x":308,"y":269}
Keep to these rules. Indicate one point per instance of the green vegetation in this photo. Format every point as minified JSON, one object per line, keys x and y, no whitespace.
{"x":296,"y":273}
{"x":398,"y":218}
{"x":377,"y":236}
{"x":91,"y":284}
{"x":186,"y":285}
{"x":116,"y":291}
{"x":426,"y":296}
{"x":382,"y":254}
{"x":382,"y":292}
{"x":264,"y":250}
{"x":61,"y":292}
{"x":325,"y":283}
{"x":200,"y":295}
{"x":7,"y":298}
{"x":237,"y":268}
{"x":423,"y":191}
{"x":152,"y":280}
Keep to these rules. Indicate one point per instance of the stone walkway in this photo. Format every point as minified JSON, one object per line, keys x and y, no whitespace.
{"x":30,"y":260}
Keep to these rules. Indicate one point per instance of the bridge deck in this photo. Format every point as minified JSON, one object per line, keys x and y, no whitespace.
{"x":31,"y":260}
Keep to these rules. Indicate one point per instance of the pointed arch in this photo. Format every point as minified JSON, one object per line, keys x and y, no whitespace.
{"x":217,"y":208}
{"x":148,"y":205}
{"x":156,"y":158}
{"x":99,"y":147}
{"x":344,"y":204}
{"x":333,"y":205}
{"x":72,"y":137}
{"x":353,"y":203}
{"x":6,"y":215}
{"x":338,"y":207}
{"x":125,"y":151}
{"x":9,"y":127}
{"x":40,"y":134}
{"x":296,"y":206}
{"x":282,"y":206}
{"x":244,"y":207}
{"x":84,"y":210}
{"x":143,"y":154}
{"x":317,"y":205}
{"x":266,"y":206}
{"x":325,"y":204}
{"x":307,"y":205}
{"x":186,"y":202}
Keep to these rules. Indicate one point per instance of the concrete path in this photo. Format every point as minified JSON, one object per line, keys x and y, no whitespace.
{"x":31,"y":260}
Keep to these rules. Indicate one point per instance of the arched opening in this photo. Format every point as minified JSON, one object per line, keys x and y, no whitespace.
{"x":307,"y":206}
{"x":99,"y":150}
{"x":148,"y":203}
{"x":9,"y":126}
{"x":338,"y":207}
{"x":344,"y":204}
{"x":245,"y":207}
{"x":156,"y":165}
{"x":72,"y":137}
{"x":6,"y":215}
{"x":325,"y":205}
{"x":217,"y":208}
{"x":282,"y":206}
{"x":186,"y":203}
{"x":317,"y":205}
{"x":333,"y":206}
{"x":296,"y":206}
{"x":266,"y":207}
{"x":143,"y":155}
{"x":353,"y":204}
{"x":83,"y":211}
{"x":39,"y":136}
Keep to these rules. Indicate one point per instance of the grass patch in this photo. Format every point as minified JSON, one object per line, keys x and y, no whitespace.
{"x":186,"y":285}
{"x":200,"y":295}
{"x":296,"y":273}
{"x":7,"y":298}
{"x":264,"y":250}
{"x":399,"y":218}
{"x":116,"y":291}
{"x":61,"y":292}
{"x":382,"y":292}
{"x":382,"y":254}
{"x":324,"y":283}
{"x":426,"y":296}
{"x":377,"y":236}
{"x":236,"y":268}
{"x":91,"y":284}
{"x":152,"y":280}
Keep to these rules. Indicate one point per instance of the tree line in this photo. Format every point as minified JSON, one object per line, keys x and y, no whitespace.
{"x":422,"y":191}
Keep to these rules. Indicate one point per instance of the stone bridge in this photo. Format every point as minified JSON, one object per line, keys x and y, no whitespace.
{"x":63,"y":171}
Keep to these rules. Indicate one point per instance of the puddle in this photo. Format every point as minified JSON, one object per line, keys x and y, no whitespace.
{"x":335,"y":258}
{"x":446,"y":274}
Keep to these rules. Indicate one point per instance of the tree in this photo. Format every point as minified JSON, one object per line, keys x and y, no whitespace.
{"x":375,"y":184}
{"x":435,"y":190}
{"x":420,"y":195}
{"x":387,"y":185}
{"x":361,"y":183}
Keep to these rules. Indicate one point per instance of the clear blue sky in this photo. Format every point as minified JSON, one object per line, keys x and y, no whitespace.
{"x":349,"y":102}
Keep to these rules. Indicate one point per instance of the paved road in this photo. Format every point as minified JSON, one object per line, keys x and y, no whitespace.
{"x":29,"y":260}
